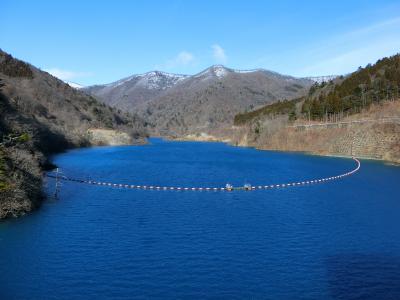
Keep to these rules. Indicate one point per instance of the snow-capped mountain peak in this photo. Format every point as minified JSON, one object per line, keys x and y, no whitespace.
{"x":214,"y":71}
{"x":219,"y":70}
{"x":151,"y":80}
{"x":157,"y":93}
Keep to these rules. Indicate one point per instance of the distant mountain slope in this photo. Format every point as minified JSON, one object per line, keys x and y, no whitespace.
{"x":127,"y":93}
{"x":207,"y":101}
{"x":357,"y":114}
{"x":41,"y":115}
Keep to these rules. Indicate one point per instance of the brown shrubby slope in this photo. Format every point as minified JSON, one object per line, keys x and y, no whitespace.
{"x":41,"y":115}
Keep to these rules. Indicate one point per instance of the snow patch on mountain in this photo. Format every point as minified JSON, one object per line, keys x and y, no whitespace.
{"x":151,"y":80}
{"x":216,"y":70}
{"x":75,"y":85}
{"x":220,"y":71}
{"x":321,"y":79}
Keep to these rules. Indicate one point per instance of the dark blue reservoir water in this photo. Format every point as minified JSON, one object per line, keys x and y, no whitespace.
{"x":339,"y":240}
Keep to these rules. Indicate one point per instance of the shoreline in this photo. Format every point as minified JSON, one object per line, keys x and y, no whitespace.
{"x":12,"y":209}
{"x":229,"y":142}
{"x":146,"y":141}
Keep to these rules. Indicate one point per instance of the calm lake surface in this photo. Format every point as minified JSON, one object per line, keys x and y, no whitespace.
{"x":339,"y":240}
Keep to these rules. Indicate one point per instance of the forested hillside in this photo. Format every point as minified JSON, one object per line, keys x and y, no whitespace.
{"x":372,"y":84}
{"x":41,"y":115}
{"x":344,"y":96}
{"x":285,"y":107}
{"x":357,"y":114}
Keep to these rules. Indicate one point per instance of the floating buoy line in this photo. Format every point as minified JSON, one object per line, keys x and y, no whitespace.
{"x":228,"y":187}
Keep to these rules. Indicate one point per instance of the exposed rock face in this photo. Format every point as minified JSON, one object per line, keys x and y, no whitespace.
{"x":378,"y":139}
{"x":110,"y":137}
{"x":202,"y":137}
{"x":51,"y":116}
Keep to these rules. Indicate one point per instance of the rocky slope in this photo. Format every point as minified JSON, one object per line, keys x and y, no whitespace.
{"x":366,"y":137}
{"x":354,"y":115}
{"x":202,"y":103}
{"x":41,"y":115}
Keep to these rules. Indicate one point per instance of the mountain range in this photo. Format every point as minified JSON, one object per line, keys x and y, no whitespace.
{"x":175,"y":104}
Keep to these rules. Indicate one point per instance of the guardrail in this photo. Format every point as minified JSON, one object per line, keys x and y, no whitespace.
{"x":326,"y":124}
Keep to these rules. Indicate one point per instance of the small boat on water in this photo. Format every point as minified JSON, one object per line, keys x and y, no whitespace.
{"x":229,"y":187}
{"x":247,"y":187}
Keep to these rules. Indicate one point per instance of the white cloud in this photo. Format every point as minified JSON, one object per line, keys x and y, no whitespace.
{"x":183,"y":58}
{"x":374,"y":28}
{"x":337,"y":54}
{"x":66,"y":75}
{"x":219,"y":54}
{"x":349,"y":61}
{"x":345,"y":52}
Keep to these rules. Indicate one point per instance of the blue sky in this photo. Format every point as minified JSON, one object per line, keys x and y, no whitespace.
{"x":93,"y":42}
